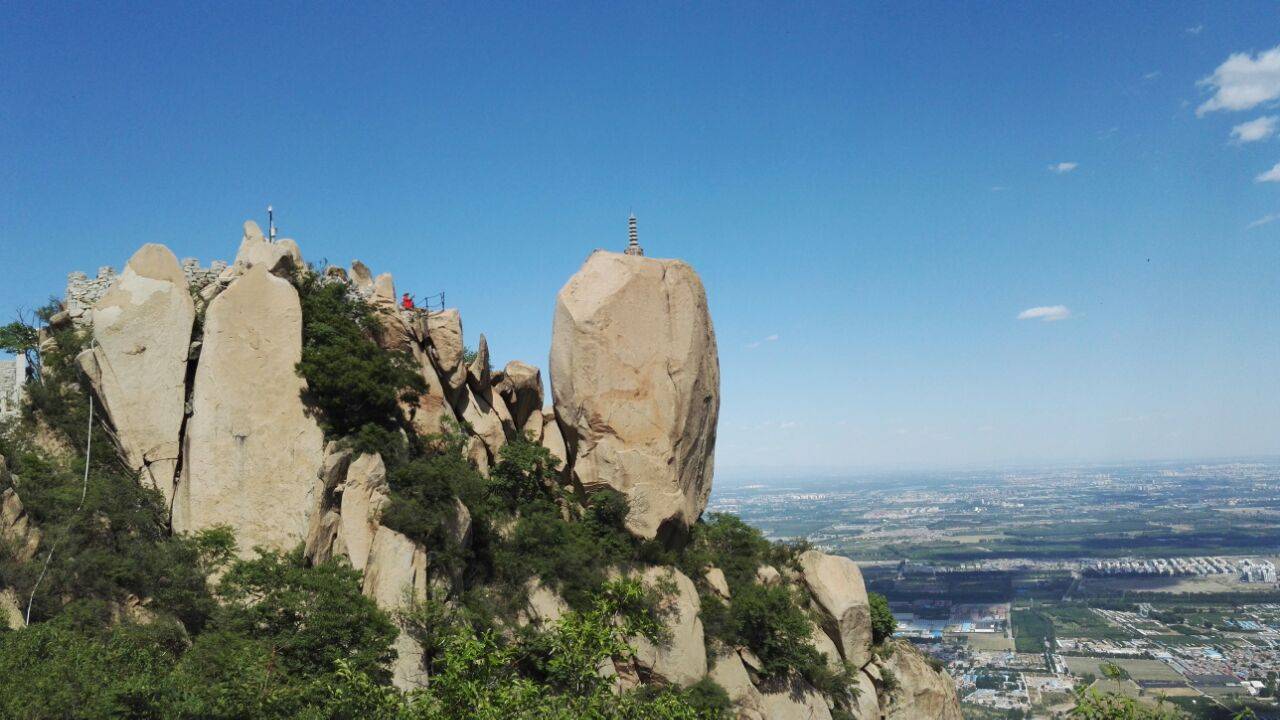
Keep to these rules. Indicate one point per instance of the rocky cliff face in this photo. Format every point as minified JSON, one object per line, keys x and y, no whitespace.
{"x":199,"y":384}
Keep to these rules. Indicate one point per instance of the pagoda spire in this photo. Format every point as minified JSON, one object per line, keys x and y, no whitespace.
{"x":633,"y":237}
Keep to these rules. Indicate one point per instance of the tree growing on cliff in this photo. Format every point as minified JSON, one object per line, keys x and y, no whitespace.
{"x":355,"y":384}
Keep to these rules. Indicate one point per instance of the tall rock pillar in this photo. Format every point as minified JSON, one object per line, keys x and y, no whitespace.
{"x":251,"y":450}
{"x":636,"y":383}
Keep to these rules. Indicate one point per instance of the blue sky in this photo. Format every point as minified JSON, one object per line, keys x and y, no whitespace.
{"x":872,"y":193}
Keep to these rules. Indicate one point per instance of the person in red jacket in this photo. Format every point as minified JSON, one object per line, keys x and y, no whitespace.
{"x":406,"y":301}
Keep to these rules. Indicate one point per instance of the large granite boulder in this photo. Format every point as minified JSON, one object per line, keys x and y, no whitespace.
{"x":553,"y":440}
{"x":395,"y":577}
{"x":364,"y":494}
{"x":794,"y":699}
{"x":252,"y":451}
{"x":682,"y":659}
{"x":920,"y":692}
{"x":636,"y":383}
{"x":138,"y":362}
{"x":841,"y":597}
{"x":521,"y":388}
{"x":444,"y":330}
{"x":728,"y":672}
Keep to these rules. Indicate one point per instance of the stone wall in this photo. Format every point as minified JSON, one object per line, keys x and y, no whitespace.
{"x":83,"y":292}
{"x":13,"y":375}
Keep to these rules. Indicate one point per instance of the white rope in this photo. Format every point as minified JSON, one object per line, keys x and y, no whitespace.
{"x":84,"y":492}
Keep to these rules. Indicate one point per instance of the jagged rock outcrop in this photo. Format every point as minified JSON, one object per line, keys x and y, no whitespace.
{"x":364,"y":495}
{"x":794,"y":699}
{"x":728,"y":672}
{"x":636,"y":383}
{"x":866,"y":705}
{"x":138,"y":362}
{"x":17,"y":531}
{"x":281,"y":258}
{"x":395,"y":576}
{"x":553,"y":440}
{"x":521,"y":388}
{"x":252,"y":449}
{"x":11,"y":615}
{"x":682,"y":659}
{"x":841,"y":597}
{"x":444,"y":329}
{"x":919,"y":690}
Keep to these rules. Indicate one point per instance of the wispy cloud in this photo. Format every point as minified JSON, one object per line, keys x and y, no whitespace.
{"x":757,"y":343}
{"x":1106,"y":134}
{"x":1255,"y":130}
{"x":1272,"y":175}
{"x":1243,"y":81}
{"x":999,"y":188}
{"x":1046,"y":313}
{"x":1264,"y":220}
{"x":1195,"y":30}
{"x":1063,"y":168}
{"x":1151,"y":75}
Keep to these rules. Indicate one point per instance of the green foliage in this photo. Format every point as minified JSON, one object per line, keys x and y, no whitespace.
{"x":56,"y":670}
{"x":18,"y":337}
{"x":422,"y":499}
{"x":352,"y":381}
{"x":309,"y":617}
{"x":888,"y":679}
{"x":769,"y":620}
{"x":115,"y":547}
{"x":1093,"y":705}
{"x":883,"y":623}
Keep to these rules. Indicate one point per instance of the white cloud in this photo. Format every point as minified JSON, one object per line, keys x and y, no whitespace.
{"x":755,"y":344}
{"x":1255,"y":130}
{"x":1243,"y":81}
{"x":1195,"y":30}
{"x":1045,"y":313}
{"x":999,"y":188}
{"x":1151,"y":75}
{"x":1272,"y":175}
{"x":1264,"y":220}
{"x":1063,"y":168}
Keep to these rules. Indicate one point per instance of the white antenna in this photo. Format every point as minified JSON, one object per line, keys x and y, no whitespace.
{"x":271,"y":225}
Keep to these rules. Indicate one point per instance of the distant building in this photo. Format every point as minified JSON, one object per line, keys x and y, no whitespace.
{"x":13,"y":379}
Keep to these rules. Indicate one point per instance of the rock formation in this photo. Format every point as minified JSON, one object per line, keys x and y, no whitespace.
{"x":138,"y":361}
{"x":841,"y":599}
{"x":251,"y":447}
{"x":919,"y":690}
{"x":635,"y":389}
{"x":682,"y":660}
{"x":636,"y":382}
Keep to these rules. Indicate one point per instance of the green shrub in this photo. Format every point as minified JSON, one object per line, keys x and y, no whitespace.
{"x":350,"y":379}
{"x":769,"y":620}
{"x":309,"y":617}
{"x":883,"y":623}
{"x":1093,"y":705}
{"x":116,"y":546}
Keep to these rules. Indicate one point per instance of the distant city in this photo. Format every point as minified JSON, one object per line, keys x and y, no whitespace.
{"x":1024,"y":583}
